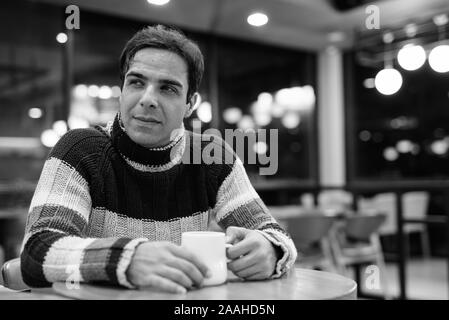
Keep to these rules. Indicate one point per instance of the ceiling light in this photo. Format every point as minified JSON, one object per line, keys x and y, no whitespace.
{"x":441,"y":19}
{"x":232,"y":115}
{"x":260,"y":147}
{"x":204,"y":112}
{"x":49,"y":138}
{"x":61,"y":37}
{"x":60,"y":127}
{"x":438,"y":58}
{"x":116,"y":92}
{"x":265,"y":99}
{"x":365,"y":135}
{"x":388,"y":37}
{"x":278,"y":110}
{"x":35,"y":113}
{"x":105,"y":92}
{"x":296,"y":98}
{"x":369,"y":83}
{"x":80,"y":91}
{"x":390,"y":154}
{"x":246,"y":123}
{"x":404,"y":146}
{"x":411,"y":57}
{"x":291,"y":120}
{"x":388,"y":81}
{"x":262,"y":119}
{"x":158,"y":2}
{"x":257,"y":19}
{"x":93,"y":91}
{"x":410,"y":30}
{"x":439,"y":147}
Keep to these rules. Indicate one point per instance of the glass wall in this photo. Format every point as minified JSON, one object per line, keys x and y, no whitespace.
{"x":245,"y":85}
{"x":31,"y":93}
{"x":236,"y":75}
{"x":404,"y":135}
{"x":262,"y":87}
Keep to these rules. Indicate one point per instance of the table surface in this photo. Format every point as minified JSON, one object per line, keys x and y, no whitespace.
{"x":38,"y":294}
{"x":288,"y":211}
{"x":291,"y":211}
{"x":298,"y":284}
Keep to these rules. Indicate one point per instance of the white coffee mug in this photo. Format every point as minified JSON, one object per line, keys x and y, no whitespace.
{"x":210,"y":248}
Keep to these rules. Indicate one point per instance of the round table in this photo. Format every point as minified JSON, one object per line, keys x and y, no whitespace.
{"x":12,"y":226}
{"x":298,"y":284}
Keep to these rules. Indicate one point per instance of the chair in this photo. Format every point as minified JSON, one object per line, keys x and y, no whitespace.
{"x":355,"y":241}
{"x":335,"y":201}
{"x":12,"y":275}
{"x":414,"y":206}
{"x":310,"y":234}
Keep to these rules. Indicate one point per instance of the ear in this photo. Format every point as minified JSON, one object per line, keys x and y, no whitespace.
{"x":194,"y":102}
{"x":120,"y":97}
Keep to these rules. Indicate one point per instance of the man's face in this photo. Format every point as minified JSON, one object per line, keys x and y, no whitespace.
{"x":153,"y":100}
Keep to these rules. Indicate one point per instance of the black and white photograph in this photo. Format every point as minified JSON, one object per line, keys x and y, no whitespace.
{"x":224,"y":156}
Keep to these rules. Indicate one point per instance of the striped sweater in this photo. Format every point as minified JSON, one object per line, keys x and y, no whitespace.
{"x":100,"y":195}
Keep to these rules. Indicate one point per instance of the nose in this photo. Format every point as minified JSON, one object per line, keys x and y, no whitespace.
{"x":149,"y":97}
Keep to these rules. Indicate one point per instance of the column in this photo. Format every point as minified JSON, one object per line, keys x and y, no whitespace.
{"x":331,"y":139}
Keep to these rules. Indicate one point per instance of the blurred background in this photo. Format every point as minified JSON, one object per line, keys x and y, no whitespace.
{"x":358,"y":91}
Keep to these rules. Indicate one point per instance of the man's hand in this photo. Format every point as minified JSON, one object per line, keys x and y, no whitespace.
{"x":253,"y":256}
{"x":165,"y":266}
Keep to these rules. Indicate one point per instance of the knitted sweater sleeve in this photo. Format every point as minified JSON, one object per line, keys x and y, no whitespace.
{"x":238,"y":204}
{"x":56,"y":247}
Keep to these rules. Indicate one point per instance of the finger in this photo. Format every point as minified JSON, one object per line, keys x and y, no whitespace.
{"x":163,"y":284}
{"x":242,"y":248}
{"x":242,"y":263}
{"x":248,"y":272}
{"x":188,"y":255}
{"x":258,"y":276}
{"x":235,"y":234}
{"x":176,"y":275}
{"x":189,"y":269}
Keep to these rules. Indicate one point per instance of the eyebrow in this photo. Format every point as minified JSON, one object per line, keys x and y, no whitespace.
{"x":135,"y":74}
{"x":164,"y":81}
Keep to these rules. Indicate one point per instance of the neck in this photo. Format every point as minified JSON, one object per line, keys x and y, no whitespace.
{"x":147,"y":159}
{"x":178,"y":134}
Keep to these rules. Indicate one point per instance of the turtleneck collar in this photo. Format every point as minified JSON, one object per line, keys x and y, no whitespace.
{"x":142,"y":158}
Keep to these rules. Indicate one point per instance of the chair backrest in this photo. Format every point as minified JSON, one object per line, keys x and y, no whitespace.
{"x":307,"y":229}
{"x":335,"y":199}
{"x":12,"y":275}
{"x":415,"y":204}
{"x":386,"y":203}
{"x":366,"y":205}
{"x":361,"y":226}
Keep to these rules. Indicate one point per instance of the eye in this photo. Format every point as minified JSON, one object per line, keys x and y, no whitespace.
{"x":169,"y":88}
{"x":135,"y":82}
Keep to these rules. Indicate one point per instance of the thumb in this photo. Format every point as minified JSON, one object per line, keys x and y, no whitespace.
{"x":235,"y":234}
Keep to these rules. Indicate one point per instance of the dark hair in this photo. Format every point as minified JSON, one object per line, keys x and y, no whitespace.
{"x":171,"y":39}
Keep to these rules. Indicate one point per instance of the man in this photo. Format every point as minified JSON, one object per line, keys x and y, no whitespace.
{"x":111,"y":203}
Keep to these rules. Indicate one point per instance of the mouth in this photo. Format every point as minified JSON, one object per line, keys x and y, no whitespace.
{"x":147,"y":119}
